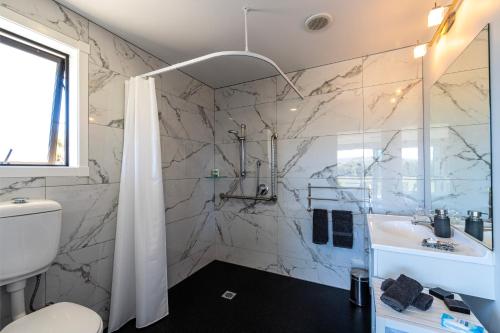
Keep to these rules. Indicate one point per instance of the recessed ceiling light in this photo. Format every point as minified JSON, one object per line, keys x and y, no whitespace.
{"x":318,"y":22}
{"x":293,"y":109}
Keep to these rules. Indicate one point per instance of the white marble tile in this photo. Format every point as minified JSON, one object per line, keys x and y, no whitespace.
{"x":187,"y":197}
{"x":183,"y":159}
{"x":391,"y":66}
{"x":340,"y":112}
{"x":233,"y":186}
{"x":82,"y":276}
{"x":190,"y":265}
{"x":181,"y":85}
{"x":461,"y":152}
{"x":321,"y":157}
{"x":106,"y":97}
{"x":66,"y":180}
{"x":227,"y":159}
{"x":394,"y":154}
{"x":247,"y":231}
{"x":393,"y":106}
{"x":52,"y":15}
{"x":396,"y":196}
{"x":102,"y":309}
{"x":109,"y":51}
{"x":185,"y":120}
{"x":476,"y":55}
{"x":461,"y":98}
{"x":89,"y":214}
{"x":260,"y":121}
{"x":292,"y":196}
{"x":254,"y":259}
{"x":320,"y":80}
{"x":295,"y":240}
{"x":246,"y":94}
{"x":29,"y":187}
{"x":459,"y":196}
{"x":189,"y":236}
{"x":105,"y":154}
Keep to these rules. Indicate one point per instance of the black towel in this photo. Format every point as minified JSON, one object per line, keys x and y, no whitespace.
{"x":342,"y":228}
{"x":401,"y":293}
{"x":422,"y":301}
{"x":320,"y":226}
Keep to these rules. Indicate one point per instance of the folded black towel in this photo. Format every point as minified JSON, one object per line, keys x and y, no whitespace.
{"x":401,"y":293}
{"x":320,"y":226}
{"x":342,"y":228}
{"x":422,"y":301}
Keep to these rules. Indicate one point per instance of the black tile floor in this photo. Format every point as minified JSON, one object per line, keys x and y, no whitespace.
{"x":265,"y":302}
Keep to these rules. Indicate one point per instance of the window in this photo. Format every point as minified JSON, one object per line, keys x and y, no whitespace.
{"x":44,"y":100}
{"x":33,"y":107}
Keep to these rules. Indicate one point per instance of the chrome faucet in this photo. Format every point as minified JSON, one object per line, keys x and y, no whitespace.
{"x":423,"y":219}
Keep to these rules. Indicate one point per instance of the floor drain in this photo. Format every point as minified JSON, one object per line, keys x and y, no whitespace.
{"x":228,"y":295}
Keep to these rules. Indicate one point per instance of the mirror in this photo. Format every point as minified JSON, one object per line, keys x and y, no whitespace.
{"x":460,"y":142}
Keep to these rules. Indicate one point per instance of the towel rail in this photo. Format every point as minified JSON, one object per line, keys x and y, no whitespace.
{"x":310,"y":198}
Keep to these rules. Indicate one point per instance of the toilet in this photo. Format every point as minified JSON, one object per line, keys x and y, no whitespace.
{"x":29,"y":239}
{"x":58,"y":318}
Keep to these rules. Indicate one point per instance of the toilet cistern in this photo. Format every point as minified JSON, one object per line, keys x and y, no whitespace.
{"x":29,"y":239}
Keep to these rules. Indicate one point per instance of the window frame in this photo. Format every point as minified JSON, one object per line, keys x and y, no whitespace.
{"x":77,"y":96}
{"x":61,"y":59}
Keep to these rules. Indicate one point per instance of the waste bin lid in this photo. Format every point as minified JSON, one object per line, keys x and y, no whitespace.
{"x":359,"y":274}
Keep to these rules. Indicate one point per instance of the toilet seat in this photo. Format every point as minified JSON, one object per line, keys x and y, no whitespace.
{"x":58,"y":318}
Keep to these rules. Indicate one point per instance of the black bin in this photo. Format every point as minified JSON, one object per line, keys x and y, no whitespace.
{"x":360,"y":288}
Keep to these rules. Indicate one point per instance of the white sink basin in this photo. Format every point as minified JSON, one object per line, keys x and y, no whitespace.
{"x":396,"y":248}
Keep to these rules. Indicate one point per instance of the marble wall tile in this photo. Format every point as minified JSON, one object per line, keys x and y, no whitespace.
{"x":103,"y":110}
{"x":82,"y":276}
{"x":391,"y":66}
{"x":66,"y":180}
{"x":461,"y":152}
{"x":17,"y":190}
{"x":190,"y":265}
{"x":458,"y":196}
{"x":189,"y":236}
{"x":475,"y":56}
{"x":52,"y":15}
{"x":89,"y":214}
{"x":393,"y":106}
{"x":102,"y":309}
{"x":227,"y":159}
{"x":111,"y":52}
{"x":461,"y":98}
{"x":260,"y":121}
{"x":295,"y":240}
{"x":396,"y":196}
{"x":233,"y":186}
{"x":248,"y":231}
{"x":293,"y":194}
{"x":11,"y":184}
{"x":246,"y":94}
{"x":185,"y":120}
{"x":184,"y":86}
{"x":321,"y":156}
{"x":187,"y":198}
{"x":344,"y":75}
{"x":340,"y":112}
{"x":254,"y":259}
{"x":394,"y":154}
{"x":105,"y":154}
{"x":183,"y":159}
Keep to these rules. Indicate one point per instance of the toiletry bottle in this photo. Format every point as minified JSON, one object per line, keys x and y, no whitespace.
{"x":442,"y":226}
{"x":474,"y":224}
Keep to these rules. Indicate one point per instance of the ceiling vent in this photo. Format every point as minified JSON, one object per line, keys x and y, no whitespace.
{"x":318,"y":22}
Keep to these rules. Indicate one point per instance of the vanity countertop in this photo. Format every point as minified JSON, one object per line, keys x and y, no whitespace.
{"x":429,"y":319}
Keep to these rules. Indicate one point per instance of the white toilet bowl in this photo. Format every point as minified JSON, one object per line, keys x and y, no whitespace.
{"x":58,"y":318}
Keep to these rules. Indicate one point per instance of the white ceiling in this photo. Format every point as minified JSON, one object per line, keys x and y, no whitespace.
{"x":177,"y":30}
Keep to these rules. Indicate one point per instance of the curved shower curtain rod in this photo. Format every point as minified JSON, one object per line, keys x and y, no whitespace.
{"x":209,"y":56}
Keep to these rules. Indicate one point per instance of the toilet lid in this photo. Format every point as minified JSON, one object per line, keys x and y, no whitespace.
{"x":58,"y":318}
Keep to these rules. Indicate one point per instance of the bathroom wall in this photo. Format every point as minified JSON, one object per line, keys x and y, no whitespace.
{"x":360,"y":125}
{"x":471,"y":18}
{"x":82,"y":271}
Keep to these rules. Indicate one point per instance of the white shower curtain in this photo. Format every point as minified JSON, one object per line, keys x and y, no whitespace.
{"x":139,"y":287}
